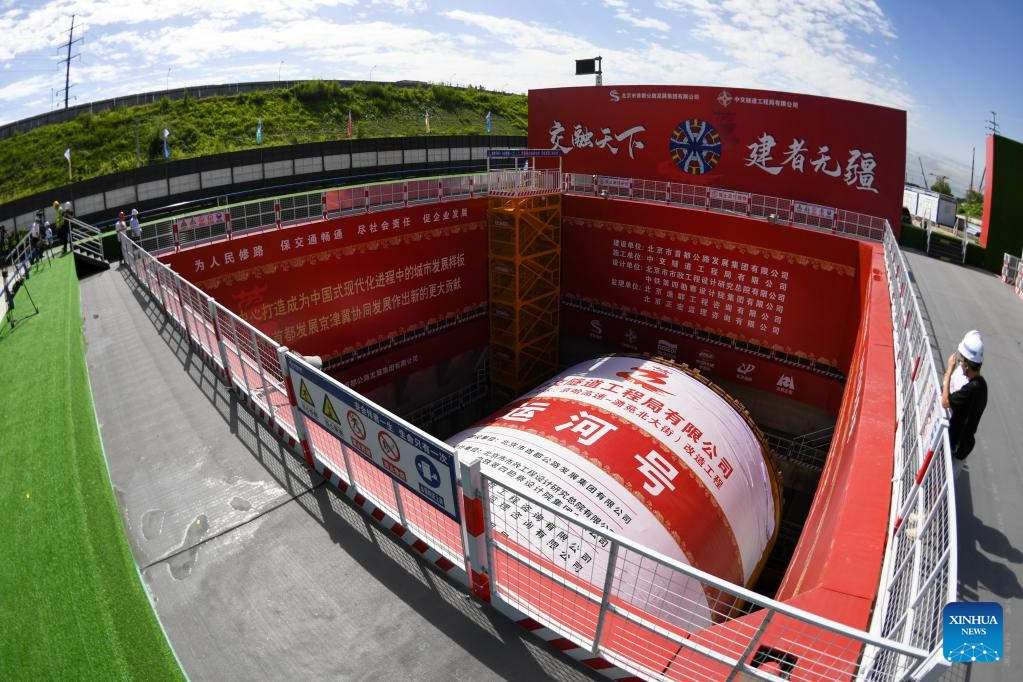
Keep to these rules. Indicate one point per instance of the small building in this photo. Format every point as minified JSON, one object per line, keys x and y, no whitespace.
{"x":927,"y":204}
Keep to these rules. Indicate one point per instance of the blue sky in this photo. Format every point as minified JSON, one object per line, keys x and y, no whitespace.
{"x":949,"y":65}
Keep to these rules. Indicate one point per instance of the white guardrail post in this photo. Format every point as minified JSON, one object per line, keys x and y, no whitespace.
{"x":475,"y":518}
{"x":211,"y":306}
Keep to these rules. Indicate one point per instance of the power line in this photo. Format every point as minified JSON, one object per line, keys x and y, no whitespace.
{"x":71,"y":40}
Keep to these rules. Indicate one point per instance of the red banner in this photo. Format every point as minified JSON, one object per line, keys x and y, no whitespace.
{"x":447,"y":349}
{"x":786,"y":289}
{"x":723,"y":365}
{"x":832,"y":152}
{"x":335,"y":287}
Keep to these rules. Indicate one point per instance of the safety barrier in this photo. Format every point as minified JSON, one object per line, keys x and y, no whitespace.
{"x":15,"y":268}
{"x":253,"y":364}
{"x":610,"y":613}
{"x":226,"y":222}
{"x":920,"y":571}
{"x":774,"y":209}
{"x":1012,"y":272}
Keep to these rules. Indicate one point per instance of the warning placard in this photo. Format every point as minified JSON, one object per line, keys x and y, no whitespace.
{"x":414,"y":458}
{"x":315,"y":402}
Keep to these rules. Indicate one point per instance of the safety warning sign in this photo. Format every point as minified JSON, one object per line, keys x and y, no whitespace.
{"x":414,"y":458}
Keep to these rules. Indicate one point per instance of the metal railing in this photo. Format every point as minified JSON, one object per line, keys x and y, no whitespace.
{"x":920,"y":572}
{"x":225,"y":222}
{"x":86,"y":239}
{"x":610,"y":611}
{"x":19,"y":252}
{"x":773,"y":209}
{"x":631,"y":606}
{"x":251,"y":363}
{"x":809,"y":449}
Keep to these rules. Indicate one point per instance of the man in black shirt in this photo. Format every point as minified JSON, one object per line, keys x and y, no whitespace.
{"x":964,"y":393}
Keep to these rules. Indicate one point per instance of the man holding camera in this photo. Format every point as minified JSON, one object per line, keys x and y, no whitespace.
{"x":35,"y":236}
{"x":964,"y":394}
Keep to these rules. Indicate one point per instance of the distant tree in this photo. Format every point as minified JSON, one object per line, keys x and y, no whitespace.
{"x":973,"y":205}
{"x":941,"y":185}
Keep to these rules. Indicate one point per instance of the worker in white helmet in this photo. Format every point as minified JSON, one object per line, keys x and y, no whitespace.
{"x":964,"y":394}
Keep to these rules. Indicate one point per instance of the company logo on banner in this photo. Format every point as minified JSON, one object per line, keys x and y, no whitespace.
{"x":695,"y":146}
{"x":972,"y":632}
{"x":414,"y":458}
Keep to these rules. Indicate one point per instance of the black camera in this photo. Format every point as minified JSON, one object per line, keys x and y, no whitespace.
{"x":12,"y":290}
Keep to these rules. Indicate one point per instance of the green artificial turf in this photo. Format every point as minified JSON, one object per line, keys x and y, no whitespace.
{"x":72,"y":605}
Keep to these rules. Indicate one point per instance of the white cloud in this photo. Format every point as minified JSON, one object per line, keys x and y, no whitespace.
{"x":624,"y":13}
{"x":793,"y":45}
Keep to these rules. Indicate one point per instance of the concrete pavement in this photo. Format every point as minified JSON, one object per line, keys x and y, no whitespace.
{"x":955,"y":299}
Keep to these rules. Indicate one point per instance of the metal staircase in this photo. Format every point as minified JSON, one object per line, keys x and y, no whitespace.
{"x":945,"y":247}
{"x":87,"y":245}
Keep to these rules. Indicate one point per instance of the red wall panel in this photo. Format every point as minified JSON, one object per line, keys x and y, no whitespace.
{"x":713,"y":360}
{"x":831,"y":152}
{"x":787,"y":289}
{"x":842,"y":543}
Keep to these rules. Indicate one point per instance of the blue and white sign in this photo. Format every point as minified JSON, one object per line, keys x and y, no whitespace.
{"x":417,"y":460}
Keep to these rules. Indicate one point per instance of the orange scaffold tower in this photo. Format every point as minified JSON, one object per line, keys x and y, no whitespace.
{"x":524,"y":239}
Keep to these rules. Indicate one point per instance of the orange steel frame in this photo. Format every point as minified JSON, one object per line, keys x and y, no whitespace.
{"x":524,"y":244}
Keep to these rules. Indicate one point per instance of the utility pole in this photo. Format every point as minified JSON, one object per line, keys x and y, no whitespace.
{"x":973,"y":160}
{"x":71,"y":40}
{"x":992,"y":125}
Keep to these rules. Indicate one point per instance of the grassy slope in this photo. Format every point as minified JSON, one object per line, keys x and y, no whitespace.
{"x":71,"y":602}
{"x":313,"y":111}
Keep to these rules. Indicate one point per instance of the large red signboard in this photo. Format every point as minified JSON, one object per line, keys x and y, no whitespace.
{"x":334,"y":287}
{"x":831,"y":152}
{"x":786,"y":289}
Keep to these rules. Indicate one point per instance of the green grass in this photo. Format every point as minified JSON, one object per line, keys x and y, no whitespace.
{"x":311,"y":111}
{"x":72,"y":605}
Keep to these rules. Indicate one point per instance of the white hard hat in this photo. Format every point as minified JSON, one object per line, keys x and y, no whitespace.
{"x":972,"y":347}
{"x":134,"y":211}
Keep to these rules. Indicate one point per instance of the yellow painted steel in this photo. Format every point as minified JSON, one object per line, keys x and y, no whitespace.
{"x":524,"y":235}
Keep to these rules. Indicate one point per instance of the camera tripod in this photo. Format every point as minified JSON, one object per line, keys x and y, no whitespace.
{"x":11,"y":286}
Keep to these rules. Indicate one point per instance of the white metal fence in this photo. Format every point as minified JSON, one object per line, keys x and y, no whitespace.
{"x":225,"y":222}
{"x":606,"y":610}
{"x":774,"y":209}
{"x":921,"y":569}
